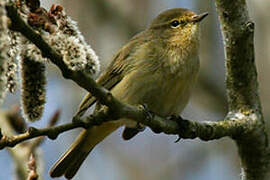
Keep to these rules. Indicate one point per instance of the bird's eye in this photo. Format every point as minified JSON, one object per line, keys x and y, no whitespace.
{"x":176,"y":23}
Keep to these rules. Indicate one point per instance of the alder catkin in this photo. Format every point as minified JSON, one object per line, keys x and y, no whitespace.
{"x":33,"y":94}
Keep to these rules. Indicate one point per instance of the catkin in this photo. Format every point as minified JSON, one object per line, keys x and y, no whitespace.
{"x":13,"y":58}
{"x":4,"y":45}
{"x":72,"y":51}
{"x":68,"y":41}
{"x":92,"y":62}
{"x":33,"y":94}
{"x":33,"y":81}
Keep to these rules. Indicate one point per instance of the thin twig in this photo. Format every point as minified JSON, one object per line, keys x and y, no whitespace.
{"x":53,"y":120}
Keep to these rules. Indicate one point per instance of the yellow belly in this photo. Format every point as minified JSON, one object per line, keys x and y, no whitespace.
{"x":163,"y":95}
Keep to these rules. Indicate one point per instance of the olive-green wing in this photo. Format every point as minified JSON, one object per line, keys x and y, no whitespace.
{"x":114,"y":73}
{"x":89,"y":100}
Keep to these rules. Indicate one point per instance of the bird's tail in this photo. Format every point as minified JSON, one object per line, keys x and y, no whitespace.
{"x":70,"y":162}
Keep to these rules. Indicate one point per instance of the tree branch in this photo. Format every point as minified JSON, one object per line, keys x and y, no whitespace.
{"x":186,"y":129}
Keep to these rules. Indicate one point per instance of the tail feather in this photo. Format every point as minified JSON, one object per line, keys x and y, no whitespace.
{"x":74,"y":167}
{"x":71,"y":161}
{"x":69,"y":157}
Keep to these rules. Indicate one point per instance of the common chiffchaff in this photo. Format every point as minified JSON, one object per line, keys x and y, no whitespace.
{"x":158,"y":67}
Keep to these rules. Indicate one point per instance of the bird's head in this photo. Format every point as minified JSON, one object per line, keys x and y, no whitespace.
{"x":177,"y":26}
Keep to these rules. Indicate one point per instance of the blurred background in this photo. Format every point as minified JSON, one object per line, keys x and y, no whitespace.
{"x":108,"y":25}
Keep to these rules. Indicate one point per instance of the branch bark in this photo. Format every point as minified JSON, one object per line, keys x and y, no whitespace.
{"x":242,"y":87}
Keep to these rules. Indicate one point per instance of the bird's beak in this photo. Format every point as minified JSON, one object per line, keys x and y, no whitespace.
{"x":199,"y":18}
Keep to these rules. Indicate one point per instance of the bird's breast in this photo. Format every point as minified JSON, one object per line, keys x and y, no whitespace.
{"x":164,"y":93}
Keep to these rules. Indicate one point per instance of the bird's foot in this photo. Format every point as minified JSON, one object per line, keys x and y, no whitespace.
{"x":147,"y":111}
{"x":180,"y":121}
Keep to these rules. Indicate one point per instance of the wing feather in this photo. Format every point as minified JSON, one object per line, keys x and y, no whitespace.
{"x":114,"y":73}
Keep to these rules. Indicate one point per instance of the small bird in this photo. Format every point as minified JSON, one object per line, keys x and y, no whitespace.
{"x":158,"y":68}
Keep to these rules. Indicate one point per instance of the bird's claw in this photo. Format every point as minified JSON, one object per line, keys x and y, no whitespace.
{"x":178,"y":119}
{"x":140,"y":127}
{"x":149,"y":113}
{"x":178,"y":139}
